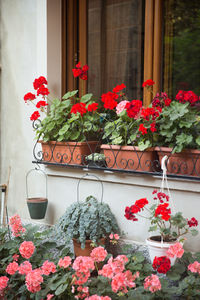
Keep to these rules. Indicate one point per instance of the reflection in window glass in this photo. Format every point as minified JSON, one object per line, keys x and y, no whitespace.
{"x":115,"y":46}
{"x":181,"y":46}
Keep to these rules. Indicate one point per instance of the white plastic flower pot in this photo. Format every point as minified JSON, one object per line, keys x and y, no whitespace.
{"x":157,"y":248}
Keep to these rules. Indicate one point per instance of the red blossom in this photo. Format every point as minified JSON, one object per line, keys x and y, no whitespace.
{"x":129,"y":215}
{"x":133,"y":108}
{"x":79,"y":108}
{"x":118,"y":88}
{"x":142,"y":129}
{"x":42,"y":90}
{"x":163,"y":211}
{"x":109,"y":100}
{"x":167,"y":101}
{"x":141,"y":202}
{"x":41,"y":103}
{"x":148,"y":82}
{"x":29,"y":96}
{"x":161,"y":264}
{"x":92,"y":107}
{"x":187,"y":96}
{"x":148,"y":112}
{"x":153,"y":127}
{"x":193,"y":222}
{"x":38,"y":82}
{"x":80,"y":72}
{"x":35,"y":115}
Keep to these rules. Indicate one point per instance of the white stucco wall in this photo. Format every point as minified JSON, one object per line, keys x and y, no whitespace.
{"x":23,"y":58}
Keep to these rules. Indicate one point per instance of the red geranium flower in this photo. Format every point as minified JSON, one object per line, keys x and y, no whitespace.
{"x":79,"y":108}
{"x":129,"y":215}
{"x":29,"y":96}
{"x":153,"y":127}
{"x":41,"y":103}
{"x":35,"y":115}
{"x":163,"y":211}
{"x":167,"y":101}
{"x":187,"y":96}
{"x":118,"y":88}
{"x":109,"y":100}
{"x":39,"y":81}
{"x":133,"y":108}
{"x":92,"y":107}
{"x":161,"y":264}
{"x":193,"y":222}
{"x":142,"y":129}
{"x":80,"y":72}
{"x":148,"y":82}
{"x":141,"y":202}
{"x":42,"y":90}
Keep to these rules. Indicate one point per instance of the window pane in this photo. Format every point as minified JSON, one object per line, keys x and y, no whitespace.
{"x":181,"y":46}
{"x":115,"y":46}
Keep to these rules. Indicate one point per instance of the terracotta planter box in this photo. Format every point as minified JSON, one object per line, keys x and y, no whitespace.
{"x":72,"y":153}
{"x":130,"y":158}
{"x":78,"y":251}
{"x":186,"y":162}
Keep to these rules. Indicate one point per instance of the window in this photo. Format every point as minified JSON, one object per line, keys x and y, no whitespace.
{"x":128,"y":41}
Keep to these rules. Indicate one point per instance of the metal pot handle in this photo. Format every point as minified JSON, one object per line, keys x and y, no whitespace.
{"x":28,"y":173}
{"x":98,"y":179}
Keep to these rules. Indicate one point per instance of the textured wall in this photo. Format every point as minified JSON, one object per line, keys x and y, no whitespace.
{"x":23,"y":57}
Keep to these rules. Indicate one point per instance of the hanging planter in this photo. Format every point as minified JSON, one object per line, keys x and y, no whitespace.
{"x":37,"y":206}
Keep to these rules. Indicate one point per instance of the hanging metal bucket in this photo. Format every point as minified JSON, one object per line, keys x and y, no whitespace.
{"x":37,"y":206}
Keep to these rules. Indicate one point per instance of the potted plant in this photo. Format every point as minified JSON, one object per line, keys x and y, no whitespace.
{"x":96,"y":160}
{"x":71,"y":128}
{"x":87,"y":222}
{"x":170,"y":227}
{"x":129,"y":135}
{"x":178,"y":137}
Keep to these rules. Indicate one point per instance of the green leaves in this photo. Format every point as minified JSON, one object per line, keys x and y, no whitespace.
{"x":70,"y":94}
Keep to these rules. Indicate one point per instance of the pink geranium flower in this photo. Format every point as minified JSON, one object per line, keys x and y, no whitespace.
{"x":25,"y":268}
{"x":152,"y":283}
{"x":98,"y":254}
{"x":33,"y":280}
{"x":194,"y":267}
{"x":48,"y":267}
{"x":175,"y":250}
{"x":65,"y":262}
{"x":12,"y":268}
{"x":121,"y":106}
{"x":16,"y":225}
{"x":3,"y":282}
{"x":26,"y":249}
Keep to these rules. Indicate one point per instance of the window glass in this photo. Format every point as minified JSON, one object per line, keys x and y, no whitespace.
{"x":115,"y":46}
{"x":181,"y":46}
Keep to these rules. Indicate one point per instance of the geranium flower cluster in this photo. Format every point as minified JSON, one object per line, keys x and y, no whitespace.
{"x":194,"y":267}
{"x":135,"y":208}
{"x":161,"y":100}
{"x":39,"y":84}
{"x":110,"y":98}
{"x":82,"y":109}
{"x":187,"y":96}
{"x":120,"y":279}
{"x":80,"y":72}
{"x":16,"y":225}
{"x":114,"y":238}
{"x":152,"y":283}
{"x":162,"y":264}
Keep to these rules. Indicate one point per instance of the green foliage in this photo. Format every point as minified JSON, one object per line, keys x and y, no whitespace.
{"x":179,"y":127}
{"x":88,"y":220}
{"x":60,"y":125}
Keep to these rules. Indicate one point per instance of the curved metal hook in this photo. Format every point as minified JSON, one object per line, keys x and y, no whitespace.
{"x":98,"y":179}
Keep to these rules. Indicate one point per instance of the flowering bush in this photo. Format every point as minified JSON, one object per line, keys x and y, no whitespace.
{"x":72,"y":119}
{"x":170,"y":227}
{"x":126,"y":276}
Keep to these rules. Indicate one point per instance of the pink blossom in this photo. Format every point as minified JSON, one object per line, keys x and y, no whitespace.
{"x":49,"y":296}
{"x":194,"y":267}
{"x":152,"y":283}
{"x":121,"y":281}
{"x":3,"y":282}
{"x":12,"y":268}
{"x":26,"y":249}
{"x":65,"y":262}
{"x":33,"y":280}
{"x":111,"y":236}
{"x":25,"y":268}
{"x":80,"y":277}
{"x":116,"y":236}
{"x":48,"y":267}
{"x":96,"y":297}
{"x":98,"y":254}
{"x":175,"y":250}
{"x":121,"y":106}
{"x":15,"y":257}
{"x":16,"y":225}
{"x":83,"y":264}
{"x":106,"y":271}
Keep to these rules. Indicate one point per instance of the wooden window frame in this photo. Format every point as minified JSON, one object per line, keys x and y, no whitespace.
{"x":61,"y":61}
